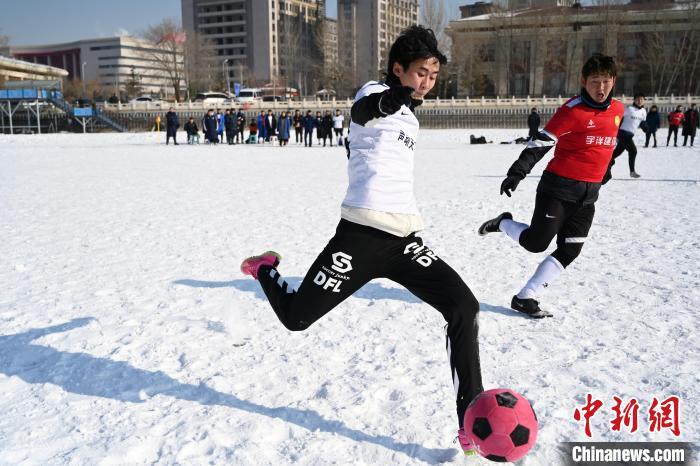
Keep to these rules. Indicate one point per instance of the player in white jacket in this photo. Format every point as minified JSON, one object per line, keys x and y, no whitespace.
{"x":635,"y":115}
{"x":376,"y":236}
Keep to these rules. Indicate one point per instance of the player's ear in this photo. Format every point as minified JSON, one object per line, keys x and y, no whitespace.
{"x":397,"y":69}
{"x":583,"y":81}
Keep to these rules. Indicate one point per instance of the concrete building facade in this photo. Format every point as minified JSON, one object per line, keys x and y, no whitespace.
{"x":19,"y":70}
{"x":539,"y":49}
{"x":111,"y":61}
{"x":261,"y":40}
{"x":366,"y":30}
{"x":330,"y":47}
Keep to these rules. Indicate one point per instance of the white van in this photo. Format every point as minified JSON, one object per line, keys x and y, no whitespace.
{"x":212,"y":98}
{"x":250,"y":94}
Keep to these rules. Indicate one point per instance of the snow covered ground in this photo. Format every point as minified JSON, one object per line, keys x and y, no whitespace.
{"x":129,"y":336}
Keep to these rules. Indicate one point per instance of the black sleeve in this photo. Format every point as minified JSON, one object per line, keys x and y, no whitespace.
{"x":533,"y":153}
{"x":367,"y":108}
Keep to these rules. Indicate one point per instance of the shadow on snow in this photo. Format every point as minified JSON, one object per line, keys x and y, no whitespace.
{"x":83,"y":374}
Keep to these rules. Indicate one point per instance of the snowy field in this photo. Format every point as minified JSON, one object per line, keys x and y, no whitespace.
{"x":129,"y":336}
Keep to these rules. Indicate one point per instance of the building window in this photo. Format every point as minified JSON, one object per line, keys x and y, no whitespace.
{"x":591,"y":46}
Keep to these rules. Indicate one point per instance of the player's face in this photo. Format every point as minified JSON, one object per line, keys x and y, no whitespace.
{"x":421,"y":75}
{"x":598,"y":86}
{"x":639,"y":101}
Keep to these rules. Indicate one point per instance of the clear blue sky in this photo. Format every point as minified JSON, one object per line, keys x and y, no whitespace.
{"x":34,"y":22}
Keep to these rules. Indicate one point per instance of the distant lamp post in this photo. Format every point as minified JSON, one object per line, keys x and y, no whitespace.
{"x":82,"y":75}
{"x":226,"y":78}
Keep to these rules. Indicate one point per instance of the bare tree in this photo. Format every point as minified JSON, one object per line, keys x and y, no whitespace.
{"x":433,"y":15}
{"x":302,"y":42}
{"x":167,"y":47}
{"x":201,"y":66}
{"x":671,"y":55}
{"x":132,"y":86}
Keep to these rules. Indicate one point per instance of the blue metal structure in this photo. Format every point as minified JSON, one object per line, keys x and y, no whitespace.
{"x":33,"y":98}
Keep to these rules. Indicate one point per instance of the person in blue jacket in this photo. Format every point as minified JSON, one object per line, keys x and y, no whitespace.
{"x":309,"y":123}
{"x":262,"y":131}
{"x":220,"y":121}
{"x":284,"y":124}
{"x":652,"y":123}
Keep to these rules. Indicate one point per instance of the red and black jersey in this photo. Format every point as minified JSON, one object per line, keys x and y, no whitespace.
{"x":585,"y":138}
{"x":584,"y":134}
{"x":675,"y":118}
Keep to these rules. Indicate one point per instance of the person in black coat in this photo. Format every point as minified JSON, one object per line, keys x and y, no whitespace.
{"x":192,"y":131}
{"x":240,"y":121}
{"x":318,"y":123}
{"x":270,"y":125}
{"x":533,"y":124}
{"x":327,"y":125}
{"x":298,"y":123}
{"x":171,"y":126}
{"x":652,"y":123}
{"x":230,"y":126}
{"x":690,"y":125}
{"x":309,"y":123}
{"x":210,"y":126}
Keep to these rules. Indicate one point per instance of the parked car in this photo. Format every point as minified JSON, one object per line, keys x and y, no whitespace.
{"x":144,"y":99}
{"x":250,"y":95}
{"x":274,"y":98}
{"x":212,"y":98}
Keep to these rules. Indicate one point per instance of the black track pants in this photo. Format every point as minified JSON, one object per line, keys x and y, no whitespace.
{"x":568,"y":221}
{"x":358,"y":254}
{"x":672,"y":130}
{"x":625,"y":142}
{"x":648,"y":138}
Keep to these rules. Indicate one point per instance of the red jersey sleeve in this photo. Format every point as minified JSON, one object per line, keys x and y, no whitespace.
{"x":560,"y":123}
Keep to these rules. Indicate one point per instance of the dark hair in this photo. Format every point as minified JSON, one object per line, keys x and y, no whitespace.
{"x":638,"y":94}
{"x":414,"y":43}
{"x":599,"y":64}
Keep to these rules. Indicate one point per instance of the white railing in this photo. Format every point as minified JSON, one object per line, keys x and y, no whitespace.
{"x":478,"y":102}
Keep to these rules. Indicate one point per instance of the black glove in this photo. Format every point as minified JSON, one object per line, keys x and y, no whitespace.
{"x":509,"y":184}
{"x":608,"y":175}
{"x":394,"y":98}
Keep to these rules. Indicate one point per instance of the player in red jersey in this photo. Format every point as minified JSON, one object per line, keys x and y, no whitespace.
{"x":583,"y":132}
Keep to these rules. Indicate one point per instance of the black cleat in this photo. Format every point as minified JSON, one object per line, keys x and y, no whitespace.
{"x":529,"y":307}
{"x":491,"y":226}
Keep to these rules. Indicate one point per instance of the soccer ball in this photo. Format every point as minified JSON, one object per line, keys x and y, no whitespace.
{"x":501,"y":424}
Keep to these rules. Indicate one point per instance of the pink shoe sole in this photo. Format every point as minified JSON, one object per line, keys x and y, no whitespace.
{"x":251,"y":265}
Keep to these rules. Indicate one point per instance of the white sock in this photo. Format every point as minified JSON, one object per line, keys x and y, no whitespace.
{"x":512,"y":228}
{"x":548,"y":270}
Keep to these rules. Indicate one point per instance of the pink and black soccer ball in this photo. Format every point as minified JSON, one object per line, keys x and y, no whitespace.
{"x":501,"y":424}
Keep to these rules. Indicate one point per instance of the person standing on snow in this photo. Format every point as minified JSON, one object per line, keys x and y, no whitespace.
{"x":171,"y":126}
{"x":653,"y":123}
{"x":327,"y":124}
{"x":533,"y":124}
{"x":675,"y":119}
{"x":309,"y":123}
{"x":690,"y":125}
{"x":338,"y":121}
{"x":376,"y":236}
{"x":298,"y":126}
{"x":635,"y":115}
{"x":210,"y":126}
